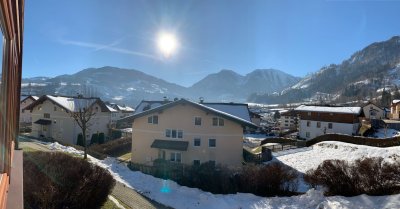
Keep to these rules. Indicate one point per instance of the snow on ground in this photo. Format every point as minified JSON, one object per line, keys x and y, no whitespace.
{"x":311,"y":158}
{"x":184,"y":197}
{"x":386,"y":133}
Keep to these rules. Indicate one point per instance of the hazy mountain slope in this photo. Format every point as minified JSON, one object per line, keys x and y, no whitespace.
{"x":374,"y":67}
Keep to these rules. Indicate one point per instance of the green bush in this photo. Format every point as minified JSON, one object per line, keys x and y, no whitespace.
{"x":395,"y":141}
{"x":79,"y":141}
{"x":116,"y":134}
{"x":113,"y":148}
{"x":101,"y":138}
{"x":94,"y":139}
{"x":54,"y":180}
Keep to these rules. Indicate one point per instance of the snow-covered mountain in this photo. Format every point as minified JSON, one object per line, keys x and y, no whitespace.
{"x":375,"y":67}
{"x":228,"y":85}
{"x":131,"y":86}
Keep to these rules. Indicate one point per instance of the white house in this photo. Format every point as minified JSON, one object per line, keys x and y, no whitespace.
{"x":51,"y":117}
{"x":25,"y":117}
{"x":372,"y":111}
{"x":319,"y":120}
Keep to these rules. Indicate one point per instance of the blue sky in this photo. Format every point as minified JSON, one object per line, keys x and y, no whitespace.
{"x":297,"y":37}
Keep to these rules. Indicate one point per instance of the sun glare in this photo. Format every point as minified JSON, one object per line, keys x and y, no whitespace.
{"x":167,"y":43}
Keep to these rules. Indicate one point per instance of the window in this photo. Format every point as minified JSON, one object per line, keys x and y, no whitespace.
{"x":308,"y":134}
{"x":197,"y":121}
{"x":212,"y":143}
{"x":309,"y":113}
{"x":318,"y":124}
{"x":308,"y":123}
{"x":40,"y":108}
{"x":153,"y":119}
{"x":175,"y":157}
{"x":173,"y":133}
{"x":46,"y":115}
{"x":196,"y":162}
{"x":216,"y":121}
{"x":168,"y":133}
{"x":55,"y":108}
{"x":23,"y":110}
{"x":197,"y":142}
{"x":330,"y":125}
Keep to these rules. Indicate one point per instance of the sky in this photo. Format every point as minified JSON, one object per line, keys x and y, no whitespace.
{"x":297,"y":37}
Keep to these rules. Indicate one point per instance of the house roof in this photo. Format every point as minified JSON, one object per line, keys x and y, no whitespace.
{"x":70,"y":103}
{"x":111,"y":109}
{"x":231,"y":111}
{"x":170,"y":144}
{"x":346,"y":110}
{"x":34,"y":98}
{"x":396,"y":101}
{"x":371,"y":103}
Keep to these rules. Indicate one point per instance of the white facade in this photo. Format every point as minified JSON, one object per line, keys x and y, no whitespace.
{"x":311,"y":129}
{"x":25,"y":116}
{"x":63,"y":127}
{"x":372,"y":111}
{"x":287,"y":122}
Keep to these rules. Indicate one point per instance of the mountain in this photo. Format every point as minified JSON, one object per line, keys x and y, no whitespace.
{"x":228,"y":85}
{"x":361,"y":77}
{"x":131,"y":86}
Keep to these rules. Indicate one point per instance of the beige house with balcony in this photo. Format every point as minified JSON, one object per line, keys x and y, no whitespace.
{"x":190,"y":133}
{"x":51,"y":117}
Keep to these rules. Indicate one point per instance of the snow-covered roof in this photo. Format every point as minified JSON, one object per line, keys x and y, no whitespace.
{"x":111,"y":109}
{"x":237,"y":112}
{"x":396,"y":101}
{"x":71,"y":104}
{"x":125,"y":108}
{"x":347,"y":110}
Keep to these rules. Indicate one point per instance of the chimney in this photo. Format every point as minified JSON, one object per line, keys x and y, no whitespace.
{"x":201,"y":100}
{"x":166,"y":99}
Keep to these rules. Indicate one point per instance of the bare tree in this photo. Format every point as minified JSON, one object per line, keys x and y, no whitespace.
{"x":82,"y":114}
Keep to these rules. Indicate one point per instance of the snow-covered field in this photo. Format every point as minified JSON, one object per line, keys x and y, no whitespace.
{"x":184,"y":197}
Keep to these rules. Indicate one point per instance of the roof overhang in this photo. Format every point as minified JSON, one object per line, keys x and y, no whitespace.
{"x":43,"y":122}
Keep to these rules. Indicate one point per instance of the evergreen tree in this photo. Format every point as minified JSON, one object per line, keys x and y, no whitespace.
{"x":101,"y":138}
{"x":79,"y":141}
{"x":396,"y":94}
{"x":94,"y":139}
{"x":386,"y":99}
{"x":277,"y":115}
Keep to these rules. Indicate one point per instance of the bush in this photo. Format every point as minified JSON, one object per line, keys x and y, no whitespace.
{"x":116,"y":134}
{"x":113,"y":148}
{"x":265,"y":180}
{"x":101,"y":138}
{"x":94,"y":139}
{"x":369,"y":176}
{"x":79,"y":141}
{"x":56,"y":180}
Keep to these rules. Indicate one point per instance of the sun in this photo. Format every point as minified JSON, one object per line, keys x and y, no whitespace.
{"x":167,"y":43}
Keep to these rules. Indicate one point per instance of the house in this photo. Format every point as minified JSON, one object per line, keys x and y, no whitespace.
{"x":288,"y":120}
{"x":52,"y":119}
{"x":122,"y":110}
{"x":25,"y":117}
{"x":372,"y":111}
{"x":11,"y":157}
{"x":187,"y":132}
{"x":395,"y":110}
{"x":320,"y":120}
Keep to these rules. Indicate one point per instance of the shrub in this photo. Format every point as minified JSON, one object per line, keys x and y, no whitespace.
{"x":114,"y":147}
{"x":265,"y":180}
{"x":101,"y":138}
{"x":395,"y":141}
{"x":116,"y":134}
{"x":369,"y":176}
{"x":94,"y":139}
{"x":56,"y":180}
{"x":79,"y":141}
